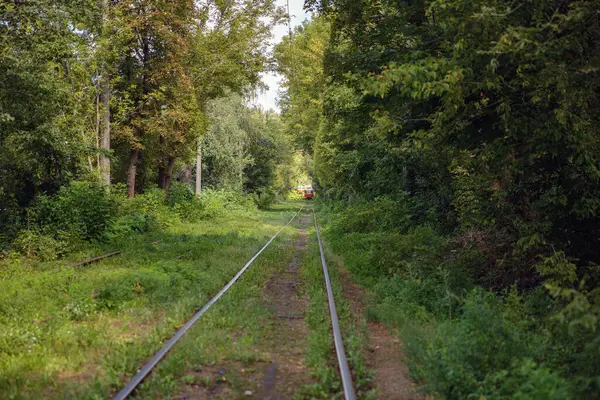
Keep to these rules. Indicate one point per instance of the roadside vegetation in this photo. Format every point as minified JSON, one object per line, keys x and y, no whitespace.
{"x":77,"y":331}
{"x":453,"y":146}
{"x":456,"y":158}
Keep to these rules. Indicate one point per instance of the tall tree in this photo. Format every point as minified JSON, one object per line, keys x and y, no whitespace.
{"x":155,"y":90}
{"x":300,"y":61}
{"x":230,"y":51}
{"x":484,"y":111}
{"x":46,"y":104}
{"x":104,"y":166}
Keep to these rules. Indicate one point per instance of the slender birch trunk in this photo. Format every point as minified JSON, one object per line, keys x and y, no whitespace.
{"x":199,"y":169}
{"x":105,"y":100}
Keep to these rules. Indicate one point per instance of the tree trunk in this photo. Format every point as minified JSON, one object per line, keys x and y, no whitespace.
{"x":105,"y":99}
{"x":162,"y":175}
{"x":131,"y":172}
{"x":162,"y":172}
{"x":169,"y":173}
{"x":199,"y":169}
{"x":186,"y":174}
{"x":105,"y":135}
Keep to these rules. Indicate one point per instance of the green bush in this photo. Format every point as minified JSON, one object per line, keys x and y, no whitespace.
{"x":525,"y":380}
{"x":418,"y":297}
{"x":179,"y":193}
{"x":491,"y":349}
{"x":462,"y":340}
{"x":293,"y":195}
{"x":152,"y":206}
{"x":82,"y":209}
{"x":264,"y":198}
{"x":131,"y":223}
{"x":214,"y":204}
{"x":382,"y":214}
{"x":416,"y":254}
{"x":43,"y":247}
{"x":11,"y":218}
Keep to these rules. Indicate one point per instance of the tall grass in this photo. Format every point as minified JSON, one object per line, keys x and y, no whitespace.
{"x":75,"y":331}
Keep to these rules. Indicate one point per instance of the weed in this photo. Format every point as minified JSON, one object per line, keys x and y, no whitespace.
{"x":76,"y":331}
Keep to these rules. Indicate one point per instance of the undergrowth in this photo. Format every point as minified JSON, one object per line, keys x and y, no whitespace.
{"x":465,"y":340}
{"x":73,"y":332}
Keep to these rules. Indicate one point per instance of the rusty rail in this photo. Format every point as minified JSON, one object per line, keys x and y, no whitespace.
{"x":94,"y":259}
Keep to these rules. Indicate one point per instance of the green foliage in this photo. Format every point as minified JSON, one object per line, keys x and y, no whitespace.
{"x":153,"y":204}
{"x":264,"y":199}
{"x":89,"y":212}
{"x":43,"y":98}
{"x":224,"y":147}
{"x":299,"y":60}
{"x":381,"y":214}
{"x":105,"y":317}
{"x":465,"y":106}
{"x":459,"y":140}
{"x":216,"y":204}
{"x":244,"y":148}
{"x":464,"y":341}
{"x":35,"y":245}
{"x":459,"y":357}
{"x":81,"y":209}
{"x":128,"y":224}
{"x":70,"y":69}
{"x":179,"y":193}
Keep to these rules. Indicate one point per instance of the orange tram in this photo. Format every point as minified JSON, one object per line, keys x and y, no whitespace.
{"x":306,"y":191}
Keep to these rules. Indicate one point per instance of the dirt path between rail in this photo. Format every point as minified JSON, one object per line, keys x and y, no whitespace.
{"x":286,"y":372}
{"x":384,"y":355}
{"x":279,"y":371}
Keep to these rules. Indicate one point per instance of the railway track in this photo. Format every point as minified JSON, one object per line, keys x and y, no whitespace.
{"x":345,"y":374}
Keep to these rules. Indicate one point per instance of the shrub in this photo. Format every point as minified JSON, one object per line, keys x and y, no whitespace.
{"x":152,"y":206}
{"x":526,"y":379}
{"x":131,"y":223}
{"x":179,"y":193}
{"x":465,"y":357}
{"x":33,"y":244}
{"x":464,"y":341}
{"x":418,"y":297}
{"x":82,"y":209}
{"x":382,"y":214}
{"x":264,"y":198}
{"x":293,"y":195}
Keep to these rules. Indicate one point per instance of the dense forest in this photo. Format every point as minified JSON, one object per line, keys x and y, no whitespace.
{"x":456,"y":143}
{"x":132,"y":94}
{"x":454,"y":146}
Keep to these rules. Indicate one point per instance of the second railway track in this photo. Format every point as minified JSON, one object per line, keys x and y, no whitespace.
{"x":344,"y":370}
{"x":348,"y":385}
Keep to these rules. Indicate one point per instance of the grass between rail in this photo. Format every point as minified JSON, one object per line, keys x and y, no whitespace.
{"x":221,"y":355}
{"x":70,"y":332}
{"x":321,"y":356}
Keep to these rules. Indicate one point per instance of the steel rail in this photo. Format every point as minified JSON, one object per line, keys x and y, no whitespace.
{"x":158,"y":356}
{"x":349,"y":393}
{"x":94,"y":259}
